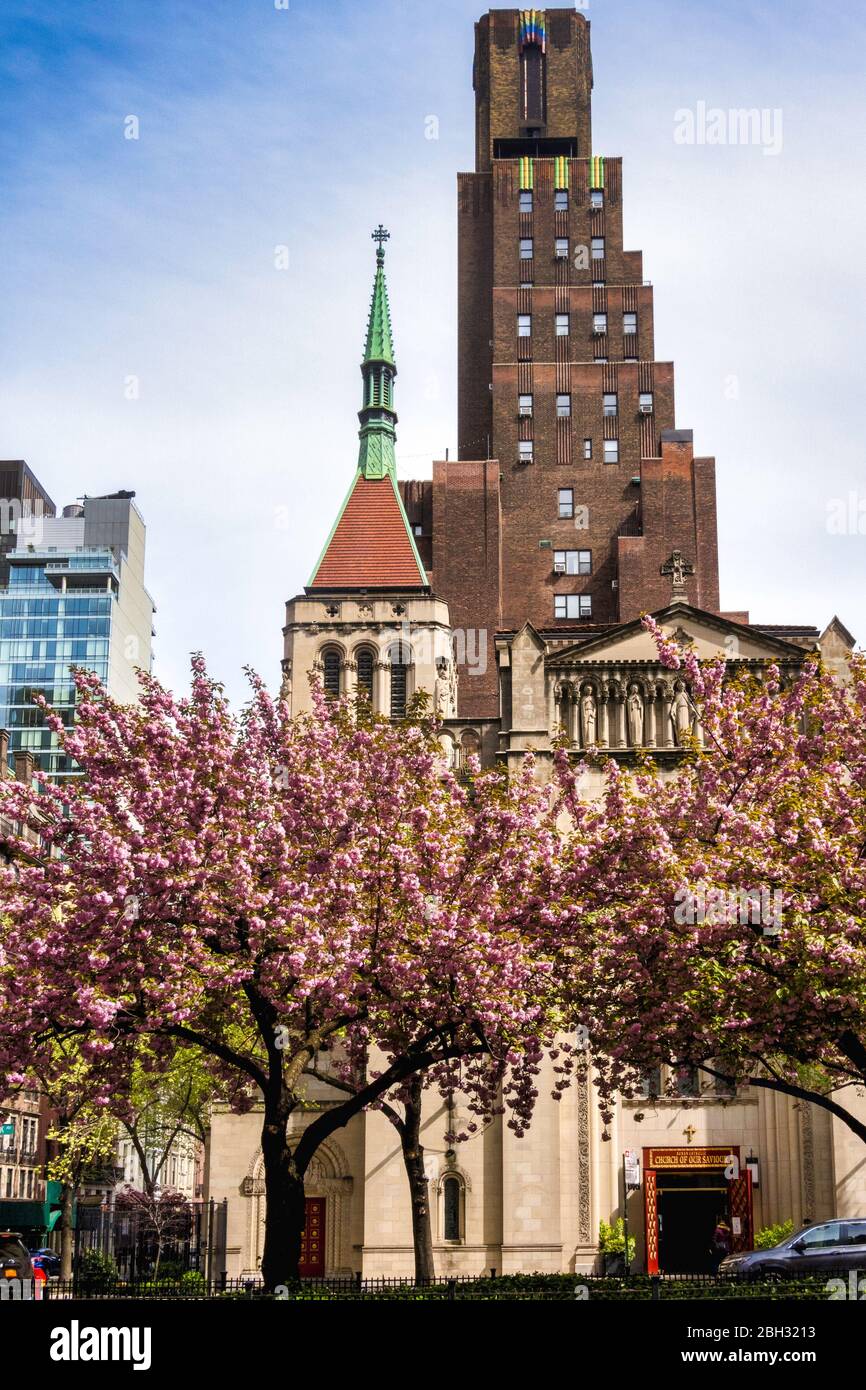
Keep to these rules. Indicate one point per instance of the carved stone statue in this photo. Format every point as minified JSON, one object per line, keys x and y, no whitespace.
{"x":681,"y":713}
{"x":635,"y":716}
{"x":589,"y":717}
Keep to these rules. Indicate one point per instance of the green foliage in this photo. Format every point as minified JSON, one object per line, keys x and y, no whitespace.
{"x":768,"y":1236}
{"x":97,"y":1271}
{"x":611,"y":1239}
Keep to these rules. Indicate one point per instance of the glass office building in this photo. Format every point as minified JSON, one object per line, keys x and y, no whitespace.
{"x":74,"y":597}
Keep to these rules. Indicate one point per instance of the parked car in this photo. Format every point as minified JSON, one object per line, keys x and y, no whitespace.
{"x":831,"y":1246}
{"x":15,"y":1262}
{"x":49,"y":1260}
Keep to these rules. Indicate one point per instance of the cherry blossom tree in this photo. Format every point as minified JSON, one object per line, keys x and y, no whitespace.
{"x":717,"y":912}
{"x":262,"y":888}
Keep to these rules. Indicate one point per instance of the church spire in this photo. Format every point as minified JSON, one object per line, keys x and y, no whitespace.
{"x":371,"y":545}
{"x":378,"y":420}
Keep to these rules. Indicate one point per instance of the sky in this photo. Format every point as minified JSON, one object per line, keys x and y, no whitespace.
{"x":184,"y":312}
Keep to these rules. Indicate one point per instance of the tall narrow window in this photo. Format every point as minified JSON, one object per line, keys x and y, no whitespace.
{"x":451,"y":1208}
{"x":597,"y":248}
{"x":365,"y":676}
{"x":399,"y":656}
{"x":629,"y":323}
{"x":526,"y":200}
{"x":331,"y":672}
{"x":526,"y":252}
{"x":560,"y":200}
{"x":532,"y":75}
{"x":524,"y":325}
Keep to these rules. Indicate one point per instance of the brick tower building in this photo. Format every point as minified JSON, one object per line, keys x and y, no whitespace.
{"x":575,"y":504}
{"x":573,"y":487}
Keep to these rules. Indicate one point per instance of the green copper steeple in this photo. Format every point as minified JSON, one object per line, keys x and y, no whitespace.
{"x":378,"y":420}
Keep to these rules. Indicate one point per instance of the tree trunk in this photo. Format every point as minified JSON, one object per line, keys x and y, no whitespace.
{"x":67,"y":1233}
{"x":285,"y":1210}
{"x":413,"y":1159}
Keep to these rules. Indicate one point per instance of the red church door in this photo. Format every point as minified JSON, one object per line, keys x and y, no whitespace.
{"x":312,"y":1264}
{"x":740,"y":1203}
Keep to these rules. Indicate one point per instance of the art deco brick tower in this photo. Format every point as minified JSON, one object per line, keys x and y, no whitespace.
{"x":573,"y":487}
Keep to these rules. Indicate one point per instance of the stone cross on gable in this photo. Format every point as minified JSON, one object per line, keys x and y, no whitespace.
{"x":677,"y":569}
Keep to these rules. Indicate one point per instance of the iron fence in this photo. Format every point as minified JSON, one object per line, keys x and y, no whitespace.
{"x":126,"y":1239}
{"x":195,"y":1286}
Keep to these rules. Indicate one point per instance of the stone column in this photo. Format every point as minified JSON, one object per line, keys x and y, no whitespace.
{"x":382,"y":687}
{"x":350,"y":679}
{"x":650,"y":720}
{"x":667,"y":738}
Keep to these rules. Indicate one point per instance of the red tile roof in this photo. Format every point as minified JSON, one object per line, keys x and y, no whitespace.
{"x":370,"y":546}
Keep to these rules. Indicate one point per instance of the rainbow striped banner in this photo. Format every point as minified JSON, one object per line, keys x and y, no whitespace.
{"x":560,"y":171}
{"x":533,"y":28}
{"x":596,"y":171}
{"x":526,"y":172}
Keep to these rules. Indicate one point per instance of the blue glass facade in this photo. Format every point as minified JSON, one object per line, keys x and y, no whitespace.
{"x":55,"y":613}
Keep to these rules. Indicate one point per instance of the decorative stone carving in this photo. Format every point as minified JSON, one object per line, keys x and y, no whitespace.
{"x":681,"y":714}
{"x":584,"y":1205}
{"x":635,"y":707}
{"x":588,"y":717}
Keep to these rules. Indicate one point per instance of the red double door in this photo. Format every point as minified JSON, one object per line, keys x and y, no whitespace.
{"x":312,"y":1263}
{"x":739,"y":1196}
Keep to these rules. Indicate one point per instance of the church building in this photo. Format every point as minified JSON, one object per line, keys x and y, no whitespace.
{"x":509,"y":587}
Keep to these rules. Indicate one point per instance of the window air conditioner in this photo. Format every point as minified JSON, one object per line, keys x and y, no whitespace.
{"x":559,"y":567}
{"x":646,"y":408}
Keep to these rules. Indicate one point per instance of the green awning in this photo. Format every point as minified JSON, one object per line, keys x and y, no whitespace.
{"x":17,"y":1216}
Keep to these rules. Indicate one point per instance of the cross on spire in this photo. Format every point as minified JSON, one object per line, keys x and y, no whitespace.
{"x":380,"y":236}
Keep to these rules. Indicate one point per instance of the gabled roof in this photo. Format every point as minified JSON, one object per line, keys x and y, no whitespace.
{"x":601,"y":644}
{"x":371,"y":545}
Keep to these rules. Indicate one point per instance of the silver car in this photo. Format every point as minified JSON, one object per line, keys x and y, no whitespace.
{"x":830,"y":1246}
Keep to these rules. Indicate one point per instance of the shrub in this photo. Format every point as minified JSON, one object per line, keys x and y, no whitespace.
{"x":611,"y":1239}
{"x":96,"y":1270}
{"x":768,"y":1236}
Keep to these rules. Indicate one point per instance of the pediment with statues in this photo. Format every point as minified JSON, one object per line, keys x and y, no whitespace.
{"x":612,"y":691}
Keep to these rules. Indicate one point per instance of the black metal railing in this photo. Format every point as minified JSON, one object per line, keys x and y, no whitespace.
{"x":193,"y":1286}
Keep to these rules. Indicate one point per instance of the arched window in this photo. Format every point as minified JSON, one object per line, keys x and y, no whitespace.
{"x":365,"y":675}
{"x":470,"y":745}
{"x":331,"y":663}
{"x":451,"y":1213}
{"x":400,"y":658}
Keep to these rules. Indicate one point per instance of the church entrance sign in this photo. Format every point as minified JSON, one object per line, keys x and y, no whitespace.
{"x":686,"y":1192}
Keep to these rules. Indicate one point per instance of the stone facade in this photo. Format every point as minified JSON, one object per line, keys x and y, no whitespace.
{"x":535,"y":1203}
